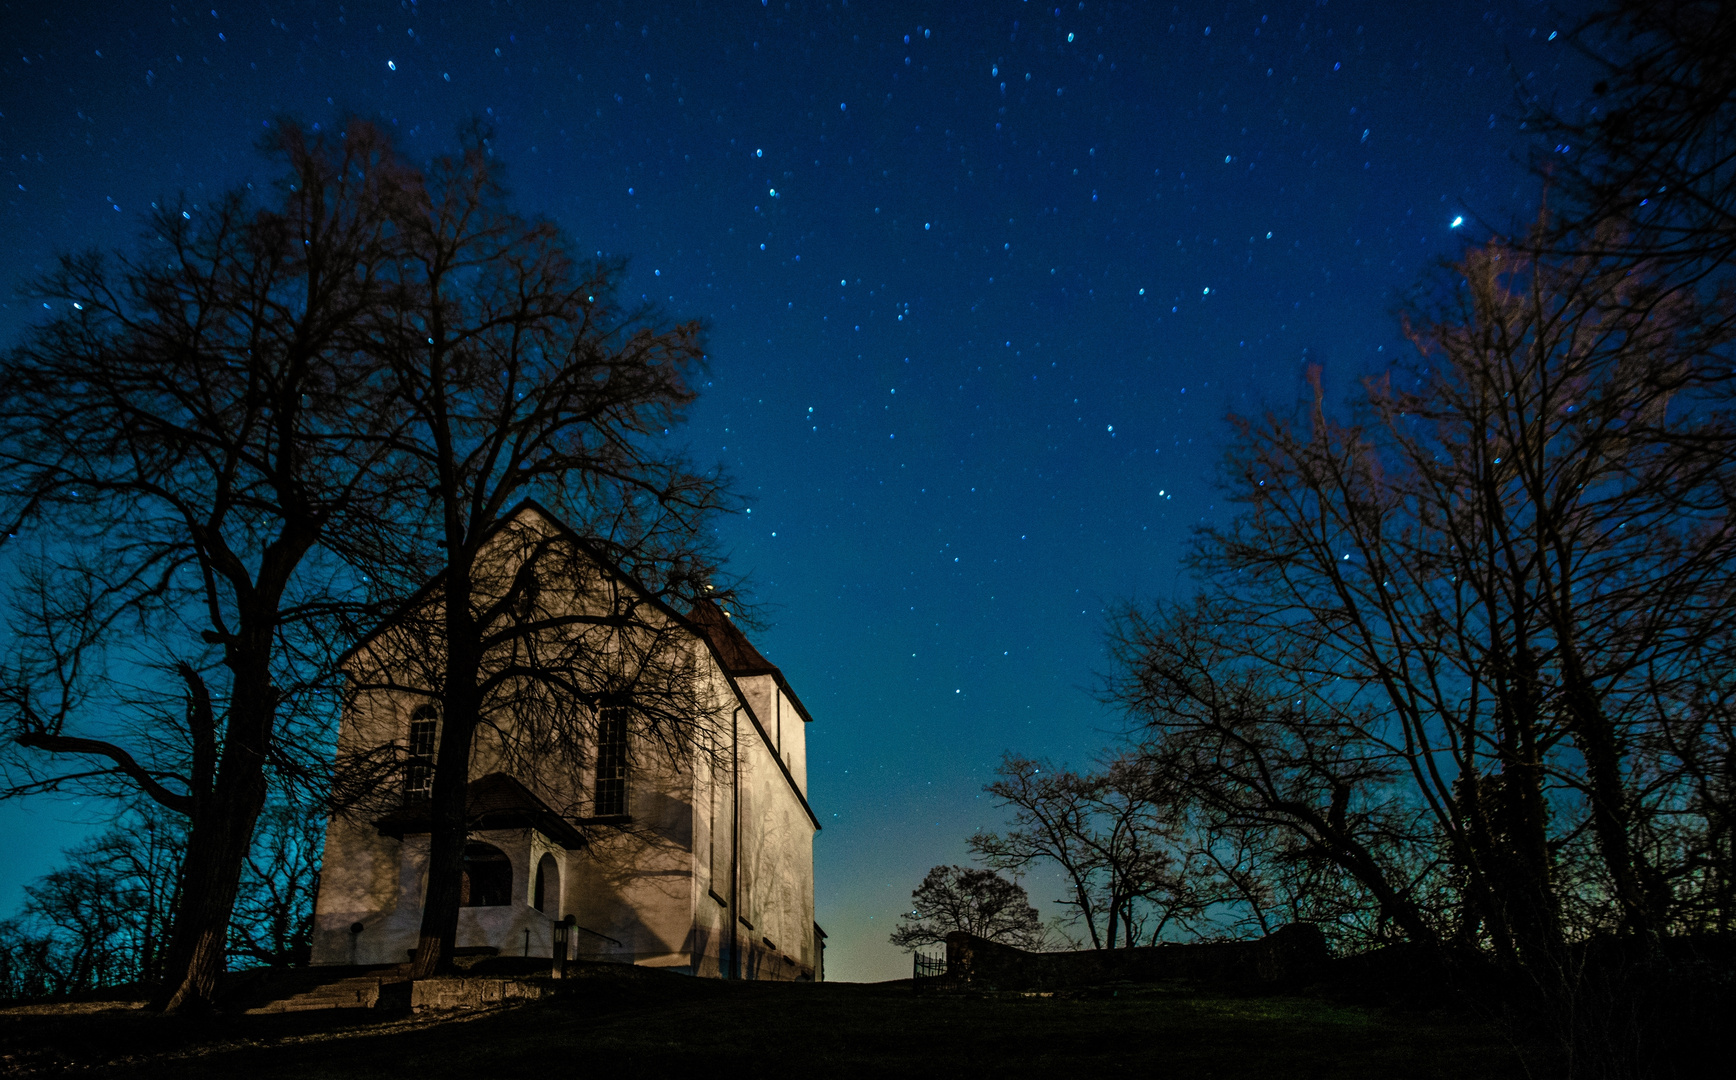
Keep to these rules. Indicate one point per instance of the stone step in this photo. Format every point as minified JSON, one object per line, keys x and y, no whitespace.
{"x":356,"y":992}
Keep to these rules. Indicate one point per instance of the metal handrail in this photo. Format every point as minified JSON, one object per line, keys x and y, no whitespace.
{"x":593,"y":933}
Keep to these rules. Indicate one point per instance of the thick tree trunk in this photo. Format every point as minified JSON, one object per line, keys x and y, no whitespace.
{"x":447,"y":837}
{"x":1611,"y":819}
{"x":1083,"y":895}
{"x":210,"y":877}
{"x":439,"y":930}
{"x":1528,"y":894}
{"x":220,"y":833}
{"x":1596,"y":740}
{"x":450,"y":825}
{"x":1526,"y":888}
{"x":1471,"y":846}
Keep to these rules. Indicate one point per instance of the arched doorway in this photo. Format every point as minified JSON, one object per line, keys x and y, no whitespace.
{"x":546,"y":897}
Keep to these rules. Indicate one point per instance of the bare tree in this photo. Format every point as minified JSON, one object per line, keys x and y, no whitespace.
{"x":1111,"y":836}
{"x":273,"y":922}
{"x":102,"y":918}
{"x":27,"y":962}
{"x":1563,"y":457}
{"x":1051,"y":818}
{"x":979,"y":902}
{"x":521,"y":374}
{"x":184,"y":435}
{"x":1464,"y":635}
{"x":1647,"y":167}
{"x":98,"y":919}
{"x":1304,"y":783}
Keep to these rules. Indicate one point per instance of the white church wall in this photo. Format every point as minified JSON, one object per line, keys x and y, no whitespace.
{"x":364,"y":876}
{"x":667,"y":887}
{"x":776,"y":860}
{"x":794,"y":741}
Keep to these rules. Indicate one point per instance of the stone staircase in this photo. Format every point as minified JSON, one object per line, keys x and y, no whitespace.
{"x":358,"y":992}
{"x":310,"y":989}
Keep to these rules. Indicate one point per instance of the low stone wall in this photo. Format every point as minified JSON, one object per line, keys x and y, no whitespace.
{"x":472,"y":992}
{"x":1293,"y":954}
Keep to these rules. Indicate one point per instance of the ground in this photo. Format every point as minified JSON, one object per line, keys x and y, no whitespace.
{"x":641,"y":1023}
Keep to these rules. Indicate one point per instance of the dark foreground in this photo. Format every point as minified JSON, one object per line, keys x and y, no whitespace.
{"x":648,"y":1023}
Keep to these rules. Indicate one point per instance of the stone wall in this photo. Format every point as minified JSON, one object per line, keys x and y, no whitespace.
{"x":472,"y":992}
{"x":1292,"y":955}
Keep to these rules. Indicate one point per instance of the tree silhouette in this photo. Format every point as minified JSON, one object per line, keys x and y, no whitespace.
{"x":979,"y":902}
{"x":195,"y":438}
{"x":518,"y":373}
{"x":1465,"y":646}
{"x":1646,"y":171}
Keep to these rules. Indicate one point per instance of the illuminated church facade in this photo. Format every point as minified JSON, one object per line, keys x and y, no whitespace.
{"x":700,"y":862}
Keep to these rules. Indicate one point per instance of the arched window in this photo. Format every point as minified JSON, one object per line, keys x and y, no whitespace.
{"x":487,"y":877}
{"x":419,"y":771}
{"x":611,"y":792}
{"x":547,"y":896}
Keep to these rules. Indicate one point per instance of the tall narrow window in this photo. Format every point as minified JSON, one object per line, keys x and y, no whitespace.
{"x":611,"y":793}
{"x":419,"y":775}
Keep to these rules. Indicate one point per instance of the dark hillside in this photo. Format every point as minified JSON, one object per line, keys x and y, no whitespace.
{"x":651,"y":1024}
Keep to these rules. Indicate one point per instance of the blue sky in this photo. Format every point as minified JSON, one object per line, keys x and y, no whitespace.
{"x":983,"y":283}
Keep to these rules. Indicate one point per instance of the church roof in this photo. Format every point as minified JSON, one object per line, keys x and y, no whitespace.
{"x":735,"y":652}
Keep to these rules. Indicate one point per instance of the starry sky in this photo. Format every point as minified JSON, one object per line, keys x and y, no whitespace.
{"x":983,"y":282}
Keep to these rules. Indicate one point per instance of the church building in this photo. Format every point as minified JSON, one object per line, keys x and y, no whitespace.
{"x":700,"y":861}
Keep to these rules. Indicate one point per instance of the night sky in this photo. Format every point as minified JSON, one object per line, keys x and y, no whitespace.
{"x":983,"y":282}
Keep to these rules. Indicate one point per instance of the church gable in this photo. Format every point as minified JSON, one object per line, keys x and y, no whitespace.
{"x":635,"y":772}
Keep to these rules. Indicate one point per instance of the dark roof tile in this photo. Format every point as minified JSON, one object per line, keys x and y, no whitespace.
{"x":734,"y":651}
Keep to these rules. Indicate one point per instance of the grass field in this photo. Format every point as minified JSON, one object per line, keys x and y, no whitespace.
{"x":648,"y":1023}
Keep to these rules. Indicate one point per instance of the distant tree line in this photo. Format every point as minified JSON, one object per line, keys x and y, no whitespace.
{"x":228,"y":454}
{"x":1458,"y":674}
{"x":102,"y":918}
